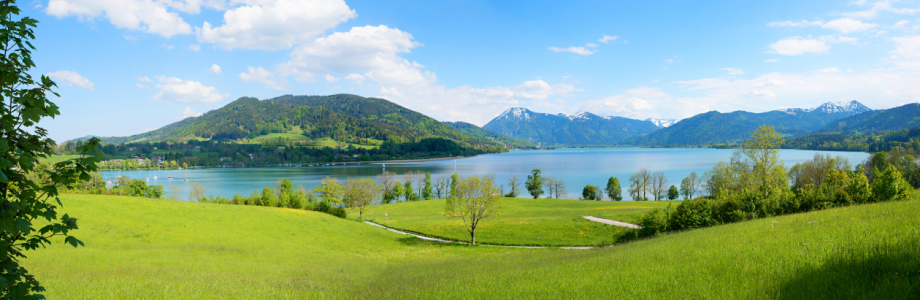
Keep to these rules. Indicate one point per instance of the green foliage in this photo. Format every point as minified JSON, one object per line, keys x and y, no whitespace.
{"x":889,"y":185}
{"x":534,"y":184}
{"x":427,"y":192}
{"x":474,"y":130}
{"x":655,"y":222}
{"x":29,"y":216}
{"x":673,"y":193}
{"x":613,"y":189}
{"x":589,"y":192}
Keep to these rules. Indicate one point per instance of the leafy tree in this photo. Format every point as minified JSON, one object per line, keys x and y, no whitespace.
{"x":427,"y":192}
{"x":397,"y":191}
{"x":454,"y":181}
{"x":410,"y":193}
{"x":889,"y":185}
{"x":267,"y":198}
{"x":477,"y":199}
{"x":330,"y":189}
{"x":197,"y":192}
{"x":22,"y":145}
{"x":673,"y":194}
{"x":589,"y":192}
{"x":360,"y":193}
{"x":613,"y":189}
{"x":690,"y":185}
{"x":514,"y":184}
{"x":757,"y":162}
{"x":534,"y":184}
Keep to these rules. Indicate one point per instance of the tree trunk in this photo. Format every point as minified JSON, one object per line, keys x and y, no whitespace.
{"x":473,"y":237}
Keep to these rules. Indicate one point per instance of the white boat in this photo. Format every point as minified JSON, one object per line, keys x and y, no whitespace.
{"x":170,"y":177}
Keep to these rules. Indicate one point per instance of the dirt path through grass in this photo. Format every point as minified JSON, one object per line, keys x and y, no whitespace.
{"x":612,"y":222}
{"x":446,"y":241}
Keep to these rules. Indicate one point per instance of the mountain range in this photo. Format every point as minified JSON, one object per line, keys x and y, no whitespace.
{"x":716,"y":128}
{"x":583,"y":128}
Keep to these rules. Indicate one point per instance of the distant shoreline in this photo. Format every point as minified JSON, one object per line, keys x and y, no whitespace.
{"x":398,"y":161}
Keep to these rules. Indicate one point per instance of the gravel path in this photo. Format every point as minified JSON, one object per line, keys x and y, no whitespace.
{"x":612,"y":222}
{"x":480,"y":244}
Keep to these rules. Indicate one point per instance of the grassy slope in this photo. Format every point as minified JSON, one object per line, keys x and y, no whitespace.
{"x":546,"y":222}
{"x":140,"y":248}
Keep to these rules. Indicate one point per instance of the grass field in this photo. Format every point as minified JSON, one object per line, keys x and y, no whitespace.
{"x":543,"y":222}
{"x":58,"y":158}
{"x":293,"y":136}
{"x":143,"y":249}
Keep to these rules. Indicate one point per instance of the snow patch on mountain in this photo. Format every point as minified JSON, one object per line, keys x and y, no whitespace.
{"x":853,"y":107}
{"x":662,"y":123}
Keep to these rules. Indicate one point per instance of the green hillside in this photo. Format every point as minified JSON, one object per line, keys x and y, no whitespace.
{"x":476,"y":131}
{"x":380,"y":111}
{"x":901,"y":117}
{"x":141,"y":248}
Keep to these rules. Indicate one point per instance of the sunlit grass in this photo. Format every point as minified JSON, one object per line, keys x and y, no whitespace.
{"x":141,"y":249}
{"x":544,"y":222}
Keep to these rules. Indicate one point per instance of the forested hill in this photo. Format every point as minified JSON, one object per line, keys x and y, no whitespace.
{"x":380,"y":111}
{"x":476,"y":131}
{"x":901,"y":117}
{"x":716,"y":128}
{"x":249,"y":117}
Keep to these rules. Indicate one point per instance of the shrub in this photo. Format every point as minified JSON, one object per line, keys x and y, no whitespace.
{"x":889,"y":185}
{"x":692,"y":214}
{"x":338,"y":212}
{"x":653,"y":223}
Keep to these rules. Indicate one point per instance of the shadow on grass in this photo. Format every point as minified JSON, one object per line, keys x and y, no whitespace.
{"x":885,"y":272}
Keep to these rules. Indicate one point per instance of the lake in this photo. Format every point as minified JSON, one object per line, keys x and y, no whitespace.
{"x":578,"y":167}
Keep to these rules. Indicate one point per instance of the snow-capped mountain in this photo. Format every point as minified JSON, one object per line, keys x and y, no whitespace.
{"x":851,"y":108}
{"x":662,"y":123}
{"x":582,"y":128}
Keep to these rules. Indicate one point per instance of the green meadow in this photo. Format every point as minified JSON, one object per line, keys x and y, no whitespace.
{"x":139,"y":248}
{"x":529,"y":222}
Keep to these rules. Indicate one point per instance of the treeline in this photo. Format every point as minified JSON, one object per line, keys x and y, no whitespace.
{"x":906,"y":139}
{"x":755,"y":184}
{"x":213,"y":154}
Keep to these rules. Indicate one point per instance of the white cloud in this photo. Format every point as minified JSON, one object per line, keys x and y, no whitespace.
{"x":591,"y":45}
{"x":263,"y":76}
{"x":907,"y":47}
{"x":607,"y":39}
{"x":576,"y":50}
{"x":879,"y":6}
{"x":802,"y":23}
{"x":330,"y":78}
{"x":215,"y":69}
{"x":129,"y":37}
{"x":186,"y":91}
{"x":847,"y":25}
{"x":144,"y":79}
{"x":140,"y":86}
{"x":188,"y":112}
{"x":772,"y":60}
{"x":799,"y":46}
{"x":900,"y":24}
{"x":71,"y":78}
{"x":374,"y":51}
{"x":156,"y":17}
{"x":733,"y":71}
{"x":168,"y":47}
{"x":275,"y":25}
{"x":355,"y":77}
{"x":194,"y":47}
{"x":669,"y":60}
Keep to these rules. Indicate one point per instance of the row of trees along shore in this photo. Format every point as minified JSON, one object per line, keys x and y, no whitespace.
{"x":280,"y":151}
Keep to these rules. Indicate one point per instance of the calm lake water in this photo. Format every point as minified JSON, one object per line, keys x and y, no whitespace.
{"x":578,"y":167}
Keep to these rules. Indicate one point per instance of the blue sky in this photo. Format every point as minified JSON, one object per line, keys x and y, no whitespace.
{"x":128,"y":66}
